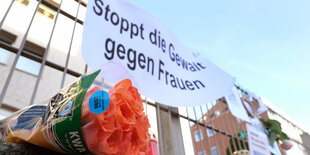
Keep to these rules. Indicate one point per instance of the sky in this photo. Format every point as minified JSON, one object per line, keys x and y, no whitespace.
{"x":264,"y":44}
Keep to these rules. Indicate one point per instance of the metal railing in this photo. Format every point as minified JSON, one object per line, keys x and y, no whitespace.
{"x":211,"y":127}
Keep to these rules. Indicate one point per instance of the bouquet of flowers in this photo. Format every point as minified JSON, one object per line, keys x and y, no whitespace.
{"x":122,"y":128}
{"x":69,"y":124}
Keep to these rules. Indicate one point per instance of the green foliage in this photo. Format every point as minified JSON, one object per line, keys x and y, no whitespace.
{"x":274,"y":130}
{"x":272,"y":138}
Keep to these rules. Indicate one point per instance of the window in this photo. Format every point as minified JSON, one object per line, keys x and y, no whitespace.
{"x":204,"y":117}
{"x":25,"y":2}
{"x":54,"y":2}
{"x":212,"y":115}
{"x":198,"y":135}
{"x":34,"y":48}
{"x":217,"y":113}
{"x":210,"y":132}
{"x":214,"y":151}
{"x":226,"y":109}
{"x":4,"y":55}
{"x":5,"y":38}
{"x":202,"y":153}
{"x":28,"y":65}
{"x":46,"y":11}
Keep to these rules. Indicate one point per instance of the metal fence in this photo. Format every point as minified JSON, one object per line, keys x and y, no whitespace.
{"x":206,"y":129}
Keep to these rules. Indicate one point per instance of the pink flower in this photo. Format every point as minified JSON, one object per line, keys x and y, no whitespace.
{"x":286,"y":145}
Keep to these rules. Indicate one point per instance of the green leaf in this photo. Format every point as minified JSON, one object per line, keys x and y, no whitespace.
{"x":266,"y":123}
{"x":275,"y":127}
{"x":272,"y":121}
{"x":272,"y":138}
{"x":283,"y":136}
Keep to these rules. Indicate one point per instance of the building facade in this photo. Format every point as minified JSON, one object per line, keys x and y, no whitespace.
{"x":21,"y":85}
{"x":206,"y":134}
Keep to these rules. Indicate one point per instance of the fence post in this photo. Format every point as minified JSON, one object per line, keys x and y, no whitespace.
{"x":171,"y":131}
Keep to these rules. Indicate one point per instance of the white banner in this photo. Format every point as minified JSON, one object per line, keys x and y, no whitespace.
{"x":126,"y":42}
{"x":235,"y":105}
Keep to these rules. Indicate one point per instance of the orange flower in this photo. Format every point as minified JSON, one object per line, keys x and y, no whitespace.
{"x":125,"y":117}
{"x":122,"y":128}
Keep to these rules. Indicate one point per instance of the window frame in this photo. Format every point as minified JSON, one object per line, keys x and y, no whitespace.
{"x":200,"y":135}
{"x":207,"y":131}
{"x":214,"y":148}
{"x":203,"y":152}
{"x":6,"y":59}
